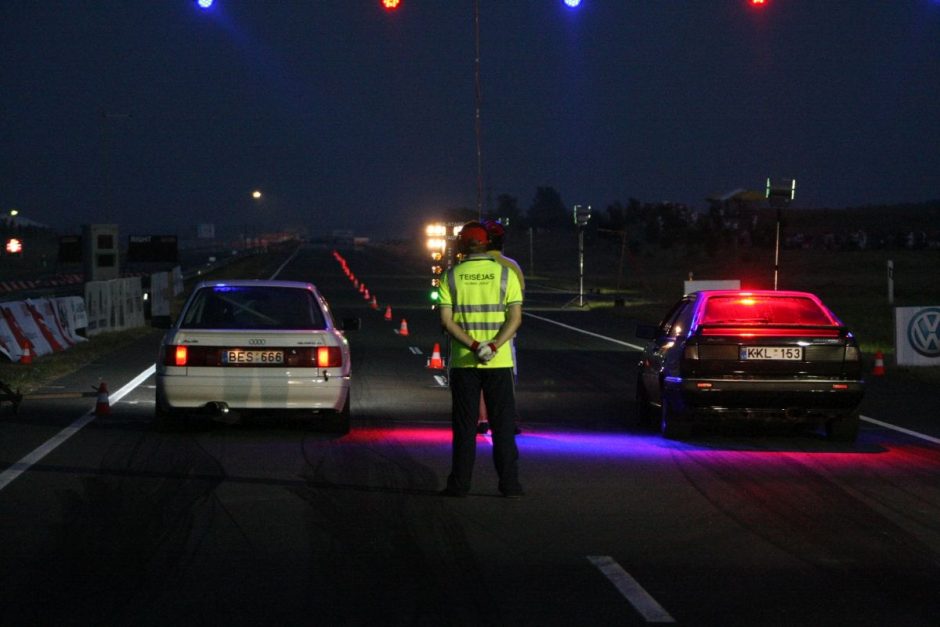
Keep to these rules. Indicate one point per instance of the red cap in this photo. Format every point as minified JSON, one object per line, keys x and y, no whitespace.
{"x":473,"y":234}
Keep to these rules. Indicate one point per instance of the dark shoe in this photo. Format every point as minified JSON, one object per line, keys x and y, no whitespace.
{"x":483,"y":427}
{"x":515,"y":493}
{"x":452,"y":492}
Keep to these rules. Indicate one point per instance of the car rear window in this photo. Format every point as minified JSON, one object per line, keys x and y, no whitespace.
{"x":251,"y":307}
{"x":761,"y":310}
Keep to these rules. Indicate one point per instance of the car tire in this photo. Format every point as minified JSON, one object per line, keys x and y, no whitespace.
{"x":643,"y":413}
{"x":165,"y":420}
{"x":843,"y":429}
{"x":671,"y":423}
{"x":339,"y":422}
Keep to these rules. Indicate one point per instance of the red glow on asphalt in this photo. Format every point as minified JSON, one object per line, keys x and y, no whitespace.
{"x":873,"y":451}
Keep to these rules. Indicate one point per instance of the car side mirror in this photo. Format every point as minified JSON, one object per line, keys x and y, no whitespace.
{"x":351,"y":324}
{"x":646,"y":331}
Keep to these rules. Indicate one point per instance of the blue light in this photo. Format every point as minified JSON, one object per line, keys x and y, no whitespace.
{"x":204,"y":4}
{"x":573,"y":3}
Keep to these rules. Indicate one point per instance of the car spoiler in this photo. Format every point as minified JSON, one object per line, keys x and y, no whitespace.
{"x":841,"y":329}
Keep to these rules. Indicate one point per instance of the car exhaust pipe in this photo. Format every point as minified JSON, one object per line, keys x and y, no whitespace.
{"x":219,"y":411}
{"x":217,"y":408}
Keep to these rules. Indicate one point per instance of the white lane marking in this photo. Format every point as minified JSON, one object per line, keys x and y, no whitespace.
{"x":33,"y":458}
{"x":441,"y":380}
{"x":286,"y":261}
{"x":414,"y":350}
{"x":888,"y":425}
{"x":630,"y":588}
{"x":567,"y":326}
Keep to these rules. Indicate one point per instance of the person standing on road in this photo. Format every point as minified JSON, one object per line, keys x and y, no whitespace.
{"x":481,"y":309}
{"x":497,"y":233}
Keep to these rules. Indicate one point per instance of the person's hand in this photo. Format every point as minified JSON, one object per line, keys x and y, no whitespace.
{"x":486,"y":352}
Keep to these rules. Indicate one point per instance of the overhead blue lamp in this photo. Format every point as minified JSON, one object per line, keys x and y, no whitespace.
{"x":204,"y":4}
{"x":573,"y":3}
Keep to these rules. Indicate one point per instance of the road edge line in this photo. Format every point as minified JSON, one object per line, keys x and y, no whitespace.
{"x":888,"y":425}
{"x":597,"y":335}
{"x":32,"y":458}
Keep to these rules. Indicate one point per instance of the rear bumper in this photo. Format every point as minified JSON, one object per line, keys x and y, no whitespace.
{"x":767,"y":398}
{"x":246,"y":392}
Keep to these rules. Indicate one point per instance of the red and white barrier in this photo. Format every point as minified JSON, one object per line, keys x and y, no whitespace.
{"x":25,"y":328}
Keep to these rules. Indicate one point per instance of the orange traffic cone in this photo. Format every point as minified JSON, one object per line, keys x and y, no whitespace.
{"x":375,"y":303}
{"x":103,"y":405}
{"x":27,"y":356}
{"x":366,"y":295}
{"x":362,"y":288}
{"x":403,"y":329}
{"x":436,"y":362}
{"x":388,"y":312}
{"x":879,"y":370}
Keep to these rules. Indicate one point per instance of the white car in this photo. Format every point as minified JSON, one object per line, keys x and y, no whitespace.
{"x":255,"y":346}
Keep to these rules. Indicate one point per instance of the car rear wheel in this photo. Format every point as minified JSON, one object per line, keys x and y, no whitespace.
{"x":339,"y":421}
{"x":166,"y":420}
{"x":672,"y":424}
{"x":844,"y":429}
{"x":642,"y":404}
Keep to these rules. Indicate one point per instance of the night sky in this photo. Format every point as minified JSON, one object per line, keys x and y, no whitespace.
{"x":157,"y":115}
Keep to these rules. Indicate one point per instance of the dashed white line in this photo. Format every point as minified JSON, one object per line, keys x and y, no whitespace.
{"x":631,"y":589}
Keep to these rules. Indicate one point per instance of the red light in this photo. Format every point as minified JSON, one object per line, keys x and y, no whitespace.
{"x":758,"y":2}
{"x":180,"y":356}
{"x":391,"y":4}
{"x":14,"y":246}
{"x":329,"y":357}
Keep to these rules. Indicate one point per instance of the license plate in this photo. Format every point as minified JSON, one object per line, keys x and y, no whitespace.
{"x":784,"y":353}
{"x":234,"y":357}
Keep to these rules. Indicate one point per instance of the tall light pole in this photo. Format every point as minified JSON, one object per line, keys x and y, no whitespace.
{"x":479,"y":103}
{"x":779,"y":195}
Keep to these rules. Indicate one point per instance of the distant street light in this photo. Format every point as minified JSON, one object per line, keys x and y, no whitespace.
{"x":14,"y":213}
{"x":256,"y":194}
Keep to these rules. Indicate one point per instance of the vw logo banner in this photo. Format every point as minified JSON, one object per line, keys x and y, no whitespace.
{"x":917,"y":336}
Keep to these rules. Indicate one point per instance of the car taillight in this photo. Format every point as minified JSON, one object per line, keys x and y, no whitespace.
{"x":175,"y":356}
{"x":329,"y":357}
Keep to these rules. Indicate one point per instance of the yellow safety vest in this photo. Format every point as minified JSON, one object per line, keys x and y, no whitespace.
{"x":480,"y":291}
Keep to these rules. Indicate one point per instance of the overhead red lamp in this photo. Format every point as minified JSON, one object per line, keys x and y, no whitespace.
{"x":391,"y":5}
{"x":14,"y":246}
{"x":758,"y":2}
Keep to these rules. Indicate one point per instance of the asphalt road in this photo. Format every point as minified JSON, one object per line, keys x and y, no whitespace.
{"x":115,"y":523}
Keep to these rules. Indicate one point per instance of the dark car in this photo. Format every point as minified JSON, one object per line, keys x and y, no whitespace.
{"x":755,"y":356}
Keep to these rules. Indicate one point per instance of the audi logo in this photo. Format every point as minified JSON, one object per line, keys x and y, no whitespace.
{"x":256,"y":341}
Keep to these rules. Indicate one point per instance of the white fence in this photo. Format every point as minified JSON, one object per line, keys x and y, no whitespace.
{"x":114,"y":305}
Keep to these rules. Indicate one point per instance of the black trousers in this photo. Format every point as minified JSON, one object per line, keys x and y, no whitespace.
{"x":499,"y":395}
